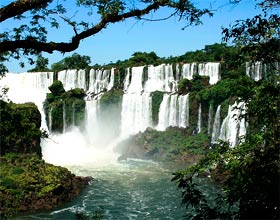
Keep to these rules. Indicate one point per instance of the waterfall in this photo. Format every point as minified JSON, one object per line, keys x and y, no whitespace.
{"x":210,"y":118}
{"x":29,"y":87}
{"x":136,"y":113}
{"x":72,"y":79}
{"x":199,"y":122}
{"x":50,"y":119}
{"x":183,"y":102}
{"x":210,"y":69}
{"x":173,"y":111}
{"x":216,"y":125}
{"x":91,"y":122}
{"x":163,"y":113}
{"x":232,"y":127}
{"x":254,"y":70}
{"x":188,"y":70}
{"x":126,"y":80}
{"x":100,"y":80}
{"x":135,"y":85}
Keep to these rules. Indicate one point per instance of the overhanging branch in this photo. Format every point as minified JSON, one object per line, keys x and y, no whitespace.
{"x":49,"y":47}
{"x":19,"y":7}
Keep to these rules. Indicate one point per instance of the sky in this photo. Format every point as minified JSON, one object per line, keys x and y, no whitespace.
{"x":166,"y":38}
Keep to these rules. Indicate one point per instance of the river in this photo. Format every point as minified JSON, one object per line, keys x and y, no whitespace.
{"x":132,"y":189}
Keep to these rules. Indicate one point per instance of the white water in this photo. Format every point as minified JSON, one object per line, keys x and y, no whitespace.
{"x":232,"y":128}
{"x":136,"y":113}
{"x":183,"y":111}
{"x":163,"y":119}
{"x":72,"y":79}
{"x":254,"y":70}
{"x":211,"y":70}
{"x":216,"y":125}
{"x":136,"y":103}
{"x":29,"y":87}
{"x":100,"y":80}
{"x":203,"y":69}
{"x":173,"y":111}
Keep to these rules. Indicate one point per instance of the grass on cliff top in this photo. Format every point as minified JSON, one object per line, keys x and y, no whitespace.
{"x":174,"y":141}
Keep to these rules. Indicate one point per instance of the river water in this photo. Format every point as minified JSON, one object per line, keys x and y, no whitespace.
{"x":132,"y":189}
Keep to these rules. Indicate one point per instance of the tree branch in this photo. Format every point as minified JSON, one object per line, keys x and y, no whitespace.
{"x":49,"y":47}
{"x":20,"y":6}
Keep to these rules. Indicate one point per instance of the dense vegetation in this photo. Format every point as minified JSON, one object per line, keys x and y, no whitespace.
{"x":20,"y":128}
{"x":28,"y":183}
{"x":251,"y":169}
{"x":64,"y":107}
{"x":172,"y":145}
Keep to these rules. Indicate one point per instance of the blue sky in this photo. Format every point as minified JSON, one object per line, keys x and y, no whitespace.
{"x":119,"y":41}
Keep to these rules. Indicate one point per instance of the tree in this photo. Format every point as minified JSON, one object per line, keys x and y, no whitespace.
{"x":38,"y":18}
{"x":41,"y":64}
{"x":251,"y":168}
{"x":76,"y":61}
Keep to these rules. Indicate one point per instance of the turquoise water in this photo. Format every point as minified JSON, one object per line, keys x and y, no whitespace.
{"x":133,"y":189}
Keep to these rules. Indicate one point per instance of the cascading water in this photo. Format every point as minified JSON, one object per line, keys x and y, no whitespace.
{"x":232,"y":127}
{"x":216,"y":125}
{"x":136,"y":105}
{"x":29,"y":87}
{"x":163,"y":119}
{"x":72,"y":79}
{"x":173,"y":111}
{"x":183,"y":111}
{"x":87,"y":149}
{"x":100,"y":80}
{"x":254,"y":70}
{"x":50,"y":120}
{"x":210,"y":113}
{"x":188,"y":70}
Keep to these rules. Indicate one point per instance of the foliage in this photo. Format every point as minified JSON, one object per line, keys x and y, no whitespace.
{"x":184,"y":86}
{"x":57,"y":88}
{"x":169,"y":145}
{"x":251,"y":169}
{"x":110,"y":98}
{"x":157,"y":97}
{"x":38,"y":18}
{"x":41,"y":64}
{"x":258,"y":36}
{"x":225,"y":89}
{"x":59,"y":102}
{"x":27,"y":182}
{"x":143,"y":58}
{"x":230,"y":55}
{"x":20,"y":128}
{"x":76,"y":61}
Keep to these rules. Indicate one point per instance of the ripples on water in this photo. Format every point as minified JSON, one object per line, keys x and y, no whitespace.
{"x":133,"y":189}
